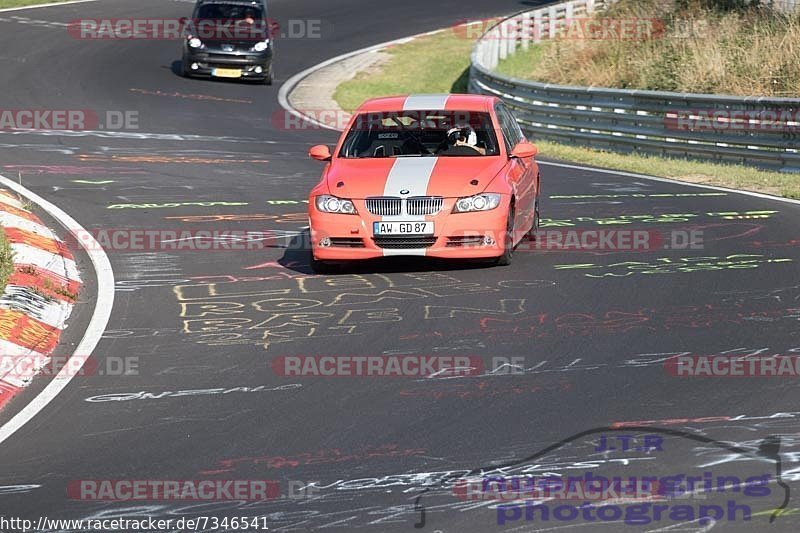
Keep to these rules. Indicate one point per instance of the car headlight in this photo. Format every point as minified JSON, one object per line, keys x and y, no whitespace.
{"x":331,"y":204}
{"x":479,"y":202}
{"x":194,"y":42}
{"x":260,"y":47}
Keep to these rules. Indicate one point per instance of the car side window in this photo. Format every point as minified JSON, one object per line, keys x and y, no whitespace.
{"x":515,"y":135}
{"x":508,"y":135}
{"x":515,"y":126}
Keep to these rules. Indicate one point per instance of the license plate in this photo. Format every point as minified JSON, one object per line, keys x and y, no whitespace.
{"x":403,"y":228}
{"x":227,"y":73}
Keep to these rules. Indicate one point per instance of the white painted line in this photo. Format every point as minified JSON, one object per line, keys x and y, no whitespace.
{"x":37,"y":6}
{"x":97,"y":324}
{"x":671,"y":181}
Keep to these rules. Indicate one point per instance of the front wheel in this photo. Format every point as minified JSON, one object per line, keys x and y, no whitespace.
{"x":508,"y":250}
{"x":536,"y":221}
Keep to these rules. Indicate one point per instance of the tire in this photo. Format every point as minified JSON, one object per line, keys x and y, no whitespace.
{"x":508,"y":253}
{"x":185,"y":71}
{"x":270,"y":77}
{"x":536,"y":221}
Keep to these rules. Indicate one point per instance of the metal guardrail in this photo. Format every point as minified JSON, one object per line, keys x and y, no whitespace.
{"x":758,"y":131}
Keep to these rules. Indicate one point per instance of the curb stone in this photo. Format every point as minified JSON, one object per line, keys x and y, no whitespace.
{"x":37,"y":300}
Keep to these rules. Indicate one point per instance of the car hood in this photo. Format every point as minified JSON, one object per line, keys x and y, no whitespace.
{"x":449,"y":177}
{"x":236,"y":45}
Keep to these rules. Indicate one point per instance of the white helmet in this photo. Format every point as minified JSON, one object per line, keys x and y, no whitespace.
{"x":463,"y":132}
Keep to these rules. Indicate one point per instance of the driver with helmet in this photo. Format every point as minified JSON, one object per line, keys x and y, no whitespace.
{"x":462,"y":140}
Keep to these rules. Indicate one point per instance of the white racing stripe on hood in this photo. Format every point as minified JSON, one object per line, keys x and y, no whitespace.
{"x":426,"y":102}
{"x":412,"y":175}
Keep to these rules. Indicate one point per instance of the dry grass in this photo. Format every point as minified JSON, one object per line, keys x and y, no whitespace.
{"x":701,"y":49}
{"x":6,"y":260}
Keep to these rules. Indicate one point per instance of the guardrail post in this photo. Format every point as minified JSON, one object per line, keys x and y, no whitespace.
{"x":495,"y":49}
{"x":513,"y":35}
{"x":503,"y":38}
{"x":537,"y":26}
{"x":526,"y":30}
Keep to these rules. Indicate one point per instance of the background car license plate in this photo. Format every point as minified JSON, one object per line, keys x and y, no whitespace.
{"x":403,"y":228}
{"x":227,"y":72}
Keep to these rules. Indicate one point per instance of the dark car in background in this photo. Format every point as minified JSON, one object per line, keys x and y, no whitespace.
{"x":229,"y":39}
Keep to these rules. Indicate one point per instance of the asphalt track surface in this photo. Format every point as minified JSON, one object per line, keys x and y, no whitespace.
{"x":593,"y":343}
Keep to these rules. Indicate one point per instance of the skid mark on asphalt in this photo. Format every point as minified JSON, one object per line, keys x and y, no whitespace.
{"x":201,"y":97}
{"x":679,"y":265}
{"x":68,"y":170}
{"x":35,"y":22}
{"x":135,"y":135}
{"x":168,"y":205}
{"x":167,"y":159}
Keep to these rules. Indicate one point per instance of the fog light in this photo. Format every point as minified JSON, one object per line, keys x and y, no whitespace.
{"x":488,"y":241}
{"x":195,"y":66}
{"x":259,"y":70}
{"x":324,"y":243}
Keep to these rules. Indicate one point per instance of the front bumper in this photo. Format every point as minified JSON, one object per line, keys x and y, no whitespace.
{"x":208,"y":60}
{"x":456,"y":235}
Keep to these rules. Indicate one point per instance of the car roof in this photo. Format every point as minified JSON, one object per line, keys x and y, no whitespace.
{"x":429,"y":102}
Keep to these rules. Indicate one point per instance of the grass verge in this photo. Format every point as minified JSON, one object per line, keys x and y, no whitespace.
{"x":22,"y":3}
{"x":440,"y":63}
{"x":6,"y":260}
{"x":436,"y":63}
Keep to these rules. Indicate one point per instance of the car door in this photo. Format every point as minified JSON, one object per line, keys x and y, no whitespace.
{"x":522,"y":172}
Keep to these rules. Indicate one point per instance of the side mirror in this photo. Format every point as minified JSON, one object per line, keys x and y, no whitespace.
{"x":524,"y":150}
{"x":320,"y":152}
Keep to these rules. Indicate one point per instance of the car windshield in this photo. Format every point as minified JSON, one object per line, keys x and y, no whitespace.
{"x":228,"y":12}
{"x":420,"y":134}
